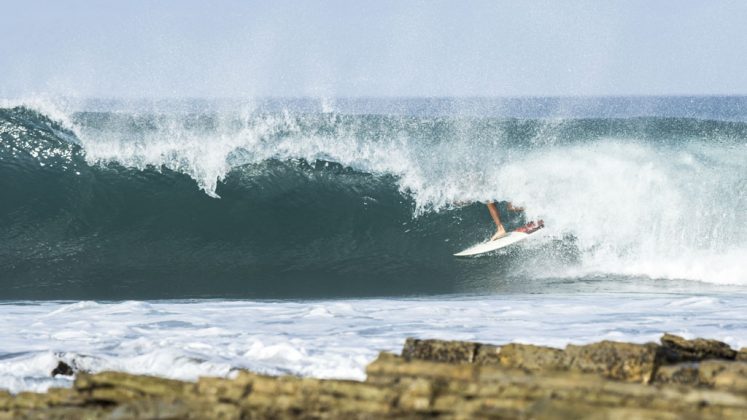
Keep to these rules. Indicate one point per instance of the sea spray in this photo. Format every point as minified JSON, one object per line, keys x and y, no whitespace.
{"x":318,"y":203}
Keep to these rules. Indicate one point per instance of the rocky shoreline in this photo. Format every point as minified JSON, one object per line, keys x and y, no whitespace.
{"x":676,"y":378}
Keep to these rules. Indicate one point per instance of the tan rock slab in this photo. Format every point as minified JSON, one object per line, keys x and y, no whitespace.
{"x":682,"y":373}
{"x":725,"y":375}
{"x":677,"y":349}
{"x":524,"y":356}
{"x":439,"y":350}
{"x":149,"y":385}
{"x":615,"y":360}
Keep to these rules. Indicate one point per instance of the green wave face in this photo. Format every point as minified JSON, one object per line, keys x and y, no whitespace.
{"x":309,"y":204}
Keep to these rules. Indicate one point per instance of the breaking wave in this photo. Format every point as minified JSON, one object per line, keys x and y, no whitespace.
{"x":286,"y":203}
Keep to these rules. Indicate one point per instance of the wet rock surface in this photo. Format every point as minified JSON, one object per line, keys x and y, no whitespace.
{"x":623,"y":361}
{"x":435,"y":378}
{"x":677,"y":349}
{"x":63,"y":369}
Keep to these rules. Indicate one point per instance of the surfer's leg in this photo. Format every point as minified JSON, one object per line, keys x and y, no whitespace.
{"x":497,"y":219}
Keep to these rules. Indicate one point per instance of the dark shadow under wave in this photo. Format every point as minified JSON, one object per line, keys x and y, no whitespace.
{"x":281,"y":229}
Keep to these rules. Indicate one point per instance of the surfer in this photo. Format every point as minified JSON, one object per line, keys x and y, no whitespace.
{"x":501,"y":231}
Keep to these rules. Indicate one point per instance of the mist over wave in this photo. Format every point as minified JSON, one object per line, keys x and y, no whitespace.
{"x":272,"y":202}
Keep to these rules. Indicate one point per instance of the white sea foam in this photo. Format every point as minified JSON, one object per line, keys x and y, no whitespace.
{"x":54,"y":107}
{"x":328,"y":339}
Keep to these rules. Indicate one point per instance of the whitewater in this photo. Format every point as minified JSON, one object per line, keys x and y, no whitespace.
{"x":329,"y":338}
{"x":188,"y":238}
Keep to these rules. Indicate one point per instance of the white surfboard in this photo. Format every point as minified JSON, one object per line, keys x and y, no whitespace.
{"x":511,"y":238}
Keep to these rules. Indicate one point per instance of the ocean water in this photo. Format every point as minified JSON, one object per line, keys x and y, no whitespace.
{"x":184,"y":238}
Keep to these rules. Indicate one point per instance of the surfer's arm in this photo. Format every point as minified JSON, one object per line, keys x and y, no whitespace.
{"x":511,"y":207}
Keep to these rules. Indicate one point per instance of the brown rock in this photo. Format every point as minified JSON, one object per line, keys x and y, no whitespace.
{"x":63,"y":368}
{"x":682,"y":373}
{"x":357,"y":390}
{"x":63,"y":396}
{"x":722,"y":374}
{"x":30,"y":400}
{"x":142,"y":384}
{"x":389,"y":368}
{"x":417,"y":396}
{"x":487,"y":354}
{"x":676,"y":349}
{"x":512,"y":381}
{"x":113,"y":395}
{"x":58,"y":413}
{"x":6,"y":400}
{"x":622,"y":361}
{"x":280,"y":396}
{"x":439,"y":350}
{"x":523,"y":356}
{"x":174,"y":408}
{"x":225,"y":390}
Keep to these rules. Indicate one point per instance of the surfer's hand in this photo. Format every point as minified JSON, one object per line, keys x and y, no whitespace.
{"x":511,"y":207}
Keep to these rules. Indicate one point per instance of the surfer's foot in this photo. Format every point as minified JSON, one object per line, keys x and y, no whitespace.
{"x":501,"y":232}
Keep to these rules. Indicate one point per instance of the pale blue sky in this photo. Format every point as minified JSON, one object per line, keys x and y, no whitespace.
{"x":191,"y":48}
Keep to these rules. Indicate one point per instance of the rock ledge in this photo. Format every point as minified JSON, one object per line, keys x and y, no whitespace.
{"x":433,"y":378}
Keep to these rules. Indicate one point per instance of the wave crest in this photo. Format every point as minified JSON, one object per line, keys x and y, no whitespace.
{"x":372,"y":197}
